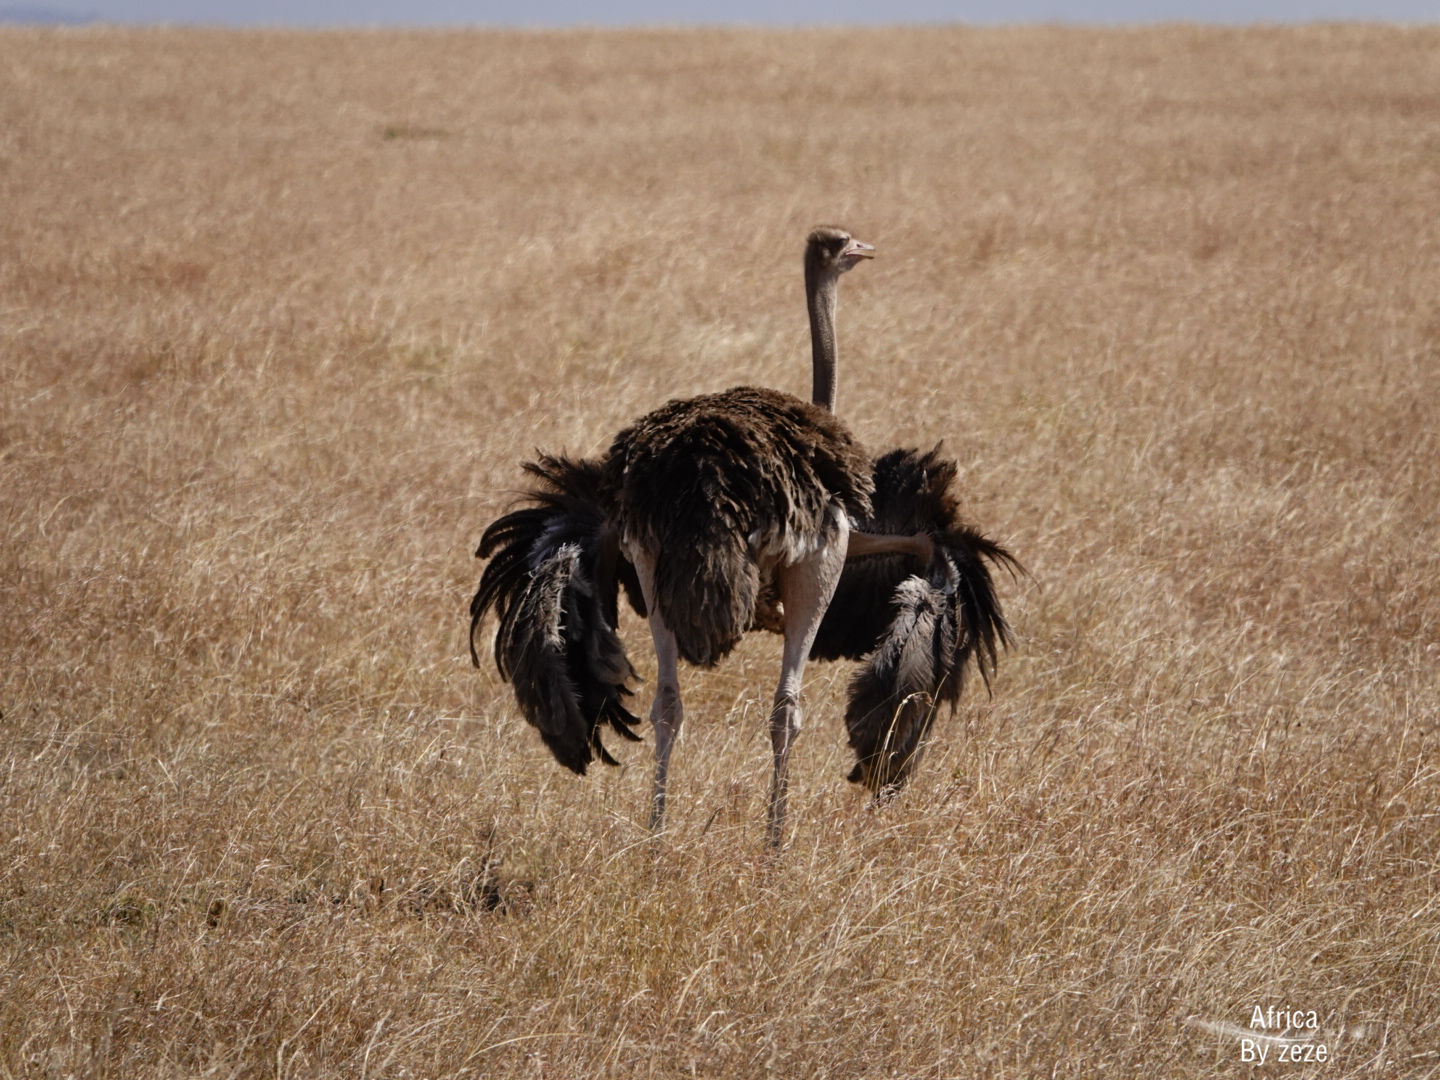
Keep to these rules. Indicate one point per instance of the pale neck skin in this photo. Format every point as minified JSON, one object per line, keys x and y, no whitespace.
{"x":820,"y":299}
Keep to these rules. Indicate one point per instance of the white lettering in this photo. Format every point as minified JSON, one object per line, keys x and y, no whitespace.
{"x":1256,"y":1050}
{"x":1250,"y":1050}
{"x":1285,"y":1019}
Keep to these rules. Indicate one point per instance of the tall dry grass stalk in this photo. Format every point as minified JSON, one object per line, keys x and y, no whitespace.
{"x":279,"y":313}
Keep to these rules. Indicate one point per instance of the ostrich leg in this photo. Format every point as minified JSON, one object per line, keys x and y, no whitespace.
{"x":805,"y":590}
{"x":667,"y":713}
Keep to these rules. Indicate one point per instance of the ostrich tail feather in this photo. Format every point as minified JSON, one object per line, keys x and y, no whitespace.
{"x":707,"y":591}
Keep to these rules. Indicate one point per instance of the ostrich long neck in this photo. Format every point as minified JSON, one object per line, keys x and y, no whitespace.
{"x":820,"y":298}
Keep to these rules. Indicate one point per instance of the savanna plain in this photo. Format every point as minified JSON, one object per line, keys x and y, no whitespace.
{"x":280,"y":313}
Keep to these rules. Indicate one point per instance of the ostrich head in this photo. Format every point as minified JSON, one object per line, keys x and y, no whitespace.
{"x":829,"y":252}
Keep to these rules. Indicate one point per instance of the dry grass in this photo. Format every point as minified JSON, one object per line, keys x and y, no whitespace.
{"x":279,"y":313}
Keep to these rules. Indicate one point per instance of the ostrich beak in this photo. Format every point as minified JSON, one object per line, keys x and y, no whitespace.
{"x":856,"y":250}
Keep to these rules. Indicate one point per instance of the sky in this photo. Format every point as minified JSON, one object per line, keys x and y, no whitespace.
{"x":708,"y":12}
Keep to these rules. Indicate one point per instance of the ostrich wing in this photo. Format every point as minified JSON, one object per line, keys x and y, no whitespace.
{"x":553,"y":581}
{"x":916,"y":628}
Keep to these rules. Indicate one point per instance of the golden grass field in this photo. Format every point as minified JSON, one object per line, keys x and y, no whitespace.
{"x":281,"y":312}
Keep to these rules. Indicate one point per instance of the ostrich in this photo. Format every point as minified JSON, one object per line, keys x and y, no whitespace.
{"x":726,"y":512}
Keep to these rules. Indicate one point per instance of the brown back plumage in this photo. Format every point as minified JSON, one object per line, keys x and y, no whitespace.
{"x":710,"y":483}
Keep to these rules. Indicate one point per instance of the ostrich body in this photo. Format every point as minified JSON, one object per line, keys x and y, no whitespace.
{"x":721,"y":498}
{"x":733,"y":511}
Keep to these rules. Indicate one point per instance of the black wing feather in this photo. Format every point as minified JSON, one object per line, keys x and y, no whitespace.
{"x":555,"y":592}
{"x":916,"y":628}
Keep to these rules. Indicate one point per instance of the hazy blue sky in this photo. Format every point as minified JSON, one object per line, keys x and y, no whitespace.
{"x":626,"y":12}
